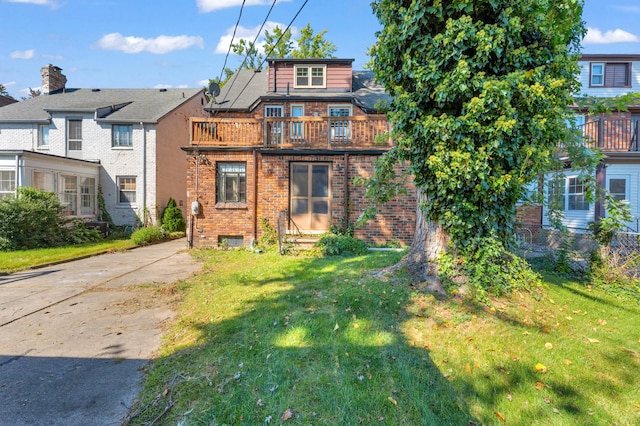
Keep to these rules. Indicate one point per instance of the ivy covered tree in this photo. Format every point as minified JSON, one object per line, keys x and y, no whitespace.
{"x":480,"y":90}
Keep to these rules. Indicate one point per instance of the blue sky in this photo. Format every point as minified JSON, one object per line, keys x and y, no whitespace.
{"x":161,"y":43}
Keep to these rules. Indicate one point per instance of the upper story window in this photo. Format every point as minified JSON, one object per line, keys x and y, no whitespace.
{"x":43,"y":136}
{"x":310,"y":76}
{"x":122,"y":136}
{"x":610,"y":74}
{"x":74,"y":134}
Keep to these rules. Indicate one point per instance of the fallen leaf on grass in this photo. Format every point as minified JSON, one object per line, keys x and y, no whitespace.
{"x":336,"y":327}
{"x":593,"y":340}
{"x":541,"y":368}
{"x":567,"y":362}
{"x":539,"y":385}
{"x":555,"y":410}
{"x":287,"y":415}
{"x":392,"y":400}
{"x":501,"y":417}
{"x":602,"y":322}
{"x":468,"y":368}
{"x":548,"y":345}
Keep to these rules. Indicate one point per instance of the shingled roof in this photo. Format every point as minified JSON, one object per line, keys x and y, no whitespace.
{"x":109,"y":105}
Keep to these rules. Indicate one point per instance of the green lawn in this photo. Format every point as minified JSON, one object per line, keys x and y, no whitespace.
{"x":272,"y":339}
{"x":24,"y":259}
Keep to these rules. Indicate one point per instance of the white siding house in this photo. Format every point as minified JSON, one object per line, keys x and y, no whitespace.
{"x":134,"y":134}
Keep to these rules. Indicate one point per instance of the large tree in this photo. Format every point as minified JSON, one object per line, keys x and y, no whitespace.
{"x":480,"y":90}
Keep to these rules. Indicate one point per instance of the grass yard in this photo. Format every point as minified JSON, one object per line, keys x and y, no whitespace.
{"x":14,"y":261}
{"x":267,"y":339}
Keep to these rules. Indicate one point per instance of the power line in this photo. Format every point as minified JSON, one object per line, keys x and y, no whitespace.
{"x":232,"y":38}
{"x":269,"y":53}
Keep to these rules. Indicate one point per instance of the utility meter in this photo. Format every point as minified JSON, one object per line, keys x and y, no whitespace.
{"x":195,"y":208}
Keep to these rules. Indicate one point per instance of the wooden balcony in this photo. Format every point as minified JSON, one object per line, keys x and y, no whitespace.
{"x":612,"y":134}
{"x":292,"y":132}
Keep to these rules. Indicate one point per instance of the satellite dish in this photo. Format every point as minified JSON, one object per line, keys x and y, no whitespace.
{"x":213,"y":89}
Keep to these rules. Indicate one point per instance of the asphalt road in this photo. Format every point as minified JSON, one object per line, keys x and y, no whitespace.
{"x":75,"y":337}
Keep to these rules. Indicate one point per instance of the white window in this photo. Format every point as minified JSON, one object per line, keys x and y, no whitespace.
{"x":7,"y":183}
{"x":74,"y":135}
{"x":126,"y":190}
{"x":122,"y":136}
{"x":44,"y":181}
{"x":87,"y":196}
{"x":297,"y":127}
{"x":68,"y":194}
{"x":597,"y":74}
{"x":43,"y":136}
{"x":610,"y":74}
{"x":310,"y":76}
{"x":567,"y":194}
{"x":340,"y":129}
{"x":576,"y":197}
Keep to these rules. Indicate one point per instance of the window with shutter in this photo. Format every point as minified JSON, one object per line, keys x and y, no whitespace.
{"x":616,"y":75}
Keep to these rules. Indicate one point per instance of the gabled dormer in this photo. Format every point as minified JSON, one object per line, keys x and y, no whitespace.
{"x":310,"y":75}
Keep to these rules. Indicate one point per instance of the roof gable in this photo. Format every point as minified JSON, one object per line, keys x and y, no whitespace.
{"x":114,"y":105}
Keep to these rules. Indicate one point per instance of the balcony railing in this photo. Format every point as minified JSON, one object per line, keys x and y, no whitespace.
{"x":290,"y":132}
{"x":612,"y":134}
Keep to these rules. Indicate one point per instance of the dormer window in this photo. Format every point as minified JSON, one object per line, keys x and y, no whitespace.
{"x":310,"y":76}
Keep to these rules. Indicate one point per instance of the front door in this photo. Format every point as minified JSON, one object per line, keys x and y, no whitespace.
{"x":310,"y":196}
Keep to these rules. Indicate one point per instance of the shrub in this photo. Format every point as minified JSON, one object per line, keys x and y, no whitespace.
{"x":172,"y":219}
{"x":34,"y":219}
{"x":78,"y":233}
{"x":148,"y":235}
{"x":333,"y":244}
{"x":269,"y":237}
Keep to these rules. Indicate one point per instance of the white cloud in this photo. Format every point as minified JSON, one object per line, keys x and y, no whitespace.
{"x":53,"y":57}
{"x":206,"y":6}
{"x":632,"y":9}
{"x":159,"y":45}
{"x":248,"y":34}
{"x":9,"y":84}
{"x":201,"y":83}
{"x":162,"y":86}
{"x":22,"y":54}
{"x":38,"y":2}
{"x":595,"y":36}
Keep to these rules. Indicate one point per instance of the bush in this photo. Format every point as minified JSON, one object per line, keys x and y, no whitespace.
{"x":334,"y":244}
{"x":269,"y":237}
{"x":148,"y":235}
{"x":172,"y":219}
{"x":34,"y":219}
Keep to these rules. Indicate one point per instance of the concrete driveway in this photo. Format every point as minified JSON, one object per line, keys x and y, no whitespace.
{"x":75,"y":337}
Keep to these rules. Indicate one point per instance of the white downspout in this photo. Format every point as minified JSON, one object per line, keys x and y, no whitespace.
{"x":144,"y":174}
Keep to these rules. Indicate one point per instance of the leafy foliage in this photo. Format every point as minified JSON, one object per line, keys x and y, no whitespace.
{"x":312,"y":45}
{"x":479,"y":101}
{"x":103,"y":213}
{"x":172,"y":219}
{"x":147,"y":235}
{"x":269,"y":235}
{"x":336,"y":244}
{"x":35,"y":219}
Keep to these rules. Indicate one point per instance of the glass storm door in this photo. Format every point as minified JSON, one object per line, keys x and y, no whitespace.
{"x":275,"y":128}
{"x":310,"y":196}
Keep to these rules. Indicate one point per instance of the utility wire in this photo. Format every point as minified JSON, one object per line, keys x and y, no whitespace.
{"x":269,"y":53}
{"x":232,"y":38}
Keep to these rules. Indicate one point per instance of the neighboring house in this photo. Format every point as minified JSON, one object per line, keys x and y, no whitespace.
{"x":6,"y":100}
{"x":284,"y":145}
{"x":133,"y":136}
{"x":616,"y":134}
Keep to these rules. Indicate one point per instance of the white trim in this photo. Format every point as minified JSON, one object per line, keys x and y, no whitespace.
{"x":310,"y":76}
{"x":592,"y":74}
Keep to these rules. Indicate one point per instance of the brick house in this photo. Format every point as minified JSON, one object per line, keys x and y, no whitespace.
{"x":284,"y":145}
{"x":69,"y":141}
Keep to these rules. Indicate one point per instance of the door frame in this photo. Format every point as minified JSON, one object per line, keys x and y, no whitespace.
{"x":308,"y":224}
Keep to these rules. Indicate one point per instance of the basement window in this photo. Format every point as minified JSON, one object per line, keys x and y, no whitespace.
{"x":230,"y":241}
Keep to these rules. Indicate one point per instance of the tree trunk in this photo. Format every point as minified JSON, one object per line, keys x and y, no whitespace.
{"x":429,"y":240}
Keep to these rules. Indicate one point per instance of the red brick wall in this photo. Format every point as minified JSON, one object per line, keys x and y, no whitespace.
{"x":395,"y":221}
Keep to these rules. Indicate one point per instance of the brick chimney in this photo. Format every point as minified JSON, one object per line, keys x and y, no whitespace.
{"x":52,"y":79}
